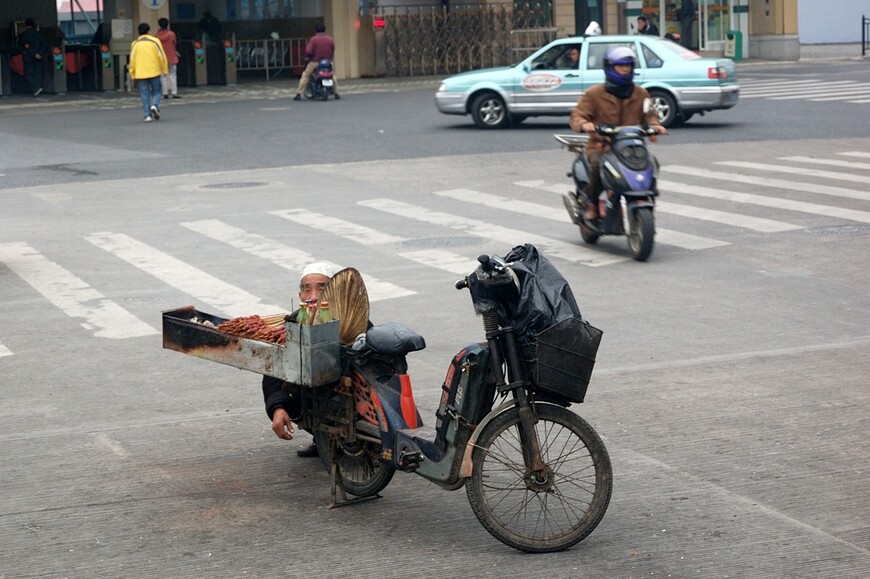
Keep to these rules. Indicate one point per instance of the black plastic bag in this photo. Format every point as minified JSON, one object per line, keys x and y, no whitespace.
{"x":545,"y":296}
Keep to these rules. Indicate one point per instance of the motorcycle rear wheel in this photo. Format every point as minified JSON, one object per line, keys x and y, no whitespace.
{"x":548,"y":513}
{"x":362,"y":472}
{"x":641,"y":233}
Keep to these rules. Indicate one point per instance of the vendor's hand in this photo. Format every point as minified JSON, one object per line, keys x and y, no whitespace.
{"x":587,"y":127}
{"x":281,"y":424}
{"x":660,"y":129}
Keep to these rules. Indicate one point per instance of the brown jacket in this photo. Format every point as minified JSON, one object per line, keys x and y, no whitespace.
{"x":598,"y":106}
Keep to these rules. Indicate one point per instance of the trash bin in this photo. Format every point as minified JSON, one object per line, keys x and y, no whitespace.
{"x":734,"y":44}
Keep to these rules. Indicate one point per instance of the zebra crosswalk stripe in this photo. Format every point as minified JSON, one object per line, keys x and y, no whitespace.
{"x":72,"y":295}
{"x":765,"y":201}
{"x":4,"y":351}
{"x":218,"y":294}
{"x":550,"y":247}
{"x":665,"y":236}
{"x":839,"y":175}
{"x":346,"y":229}
{"x":830,"y":162}
{"x":735,"y":219}
{"x":766,"y":182}
{"x":442,"y":259}
{"x":289,"y":258}
{"x":860,"y":154}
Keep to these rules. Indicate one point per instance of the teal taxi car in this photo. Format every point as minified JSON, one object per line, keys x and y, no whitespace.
{"x":549,"y":82}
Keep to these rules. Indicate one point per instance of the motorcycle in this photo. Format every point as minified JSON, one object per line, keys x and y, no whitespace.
{"x":628,"y":177}
{"x":537,"y":476}
{"x":320,"y":85}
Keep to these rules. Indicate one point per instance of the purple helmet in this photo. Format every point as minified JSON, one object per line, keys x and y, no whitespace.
{"x":619,"y":55}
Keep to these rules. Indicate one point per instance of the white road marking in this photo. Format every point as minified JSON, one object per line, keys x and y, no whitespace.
{"x":797,"y":171}
{"x":442,"y":259}
{"x":829,"y":162}
{"x":735,"y":219}
{"x":289,"y":258}
{"x":340,"y":227}
{"x":512,"y":237}
{"x":765,"y":201}
{"x":72,"y":295}
{"x":861,"y":154}
{"x":544,"y":186}
{"x":218,"y":294}
{"x":757,"y":181}
{"x":4,"y":351}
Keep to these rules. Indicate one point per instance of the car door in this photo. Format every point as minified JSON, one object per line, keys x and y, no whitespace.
{"x":548,"y":81}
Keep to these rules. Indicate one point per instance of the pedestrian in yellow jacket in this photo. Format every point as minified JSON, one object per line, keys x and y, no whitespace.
{"x":147,"y":65}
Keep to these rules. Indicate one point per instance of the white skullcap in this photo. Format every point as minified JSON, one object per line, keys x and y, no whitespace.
{"x":316,"y":268}
{"x":593,"y":29}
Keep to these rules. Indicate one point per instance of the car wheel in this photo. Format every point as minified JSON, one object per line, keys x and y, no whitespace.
{"x":666,"y":107}
{"x":489,"y":112}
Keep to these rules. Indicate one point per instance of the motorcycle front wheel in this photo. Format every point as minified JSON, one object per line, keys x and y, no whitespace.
{"x":362,"y":472}
{"x":540,"y":512}
{"x":641,"y":233}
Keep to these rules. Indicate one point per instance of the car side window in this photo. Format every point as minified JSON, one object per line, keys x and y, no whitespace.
{"x":596,"y":51}
{"x":552,"y":59}
{"x":652,"y":59}
{"x":570,"y":59}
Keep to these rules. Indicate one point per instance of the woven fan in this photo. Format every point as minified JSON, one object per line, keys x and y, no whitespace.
{"x":348,"y":302}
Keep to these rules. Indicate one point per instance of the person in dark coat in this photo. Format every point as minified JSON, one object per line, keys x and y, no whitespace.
{"x":686,"y":16}
{"x":34,"y":48}
{"x":644,"y":26}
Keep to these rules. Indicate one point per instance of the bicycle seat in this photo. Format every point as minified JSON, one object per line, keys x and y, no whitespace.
{"x":394,"y":339}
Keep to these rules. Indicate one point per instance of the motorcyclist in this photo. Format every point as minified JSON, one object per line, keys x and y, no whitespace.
{"x":321,"y":46}
{"x":618,"y":101}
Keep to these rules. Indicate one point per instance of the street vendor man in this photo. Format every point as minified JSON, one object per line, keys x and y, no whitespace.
{"x":282,"y":406}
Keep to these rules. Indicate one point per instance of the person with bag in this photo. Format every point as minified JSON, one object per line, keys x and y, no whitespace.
{"x":147,"y":65}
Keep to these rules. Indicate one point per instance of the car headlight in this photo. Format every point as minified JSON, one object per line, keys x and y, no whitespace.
{"x":442,"y":88}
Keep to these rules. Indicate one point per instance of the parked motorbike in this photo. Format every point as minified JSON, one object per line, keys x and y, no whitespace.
{"x":320,"y":85}
{"x":628,"y":177}
{"x":538,"y":477}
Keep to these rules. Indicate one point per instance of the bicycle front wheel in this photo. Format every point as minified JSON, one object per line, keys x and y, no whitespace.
{"x":546,"y":511}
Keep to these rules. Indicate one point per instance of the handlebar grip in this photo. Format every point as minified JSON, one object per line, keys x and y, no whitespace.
{"x":461,"y":284}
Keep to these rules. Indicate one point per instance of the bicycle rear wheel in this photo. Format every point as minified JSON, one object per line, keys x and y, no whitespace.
{"x":547,"y":511}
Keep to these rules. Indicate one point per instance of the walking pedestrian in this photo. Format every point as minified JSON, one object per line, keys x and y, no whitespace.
{"x":147,"y":65}
{"x":686,"y":16}
{"x":34,"y":49}
{"x":169,"y":82}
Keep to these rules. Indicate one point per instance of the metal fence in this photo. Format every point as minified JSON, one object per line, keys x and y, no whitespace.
{"x":433,"y":40}
{"x":272,"y":56}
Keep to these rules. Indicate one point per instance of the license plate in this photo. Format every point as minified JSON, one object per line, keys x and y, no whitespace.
{"x":327,"y":82}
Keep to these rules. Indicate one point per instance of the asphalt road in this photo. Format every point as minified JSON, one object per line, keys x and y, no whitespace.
{"x":730,"y":389}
